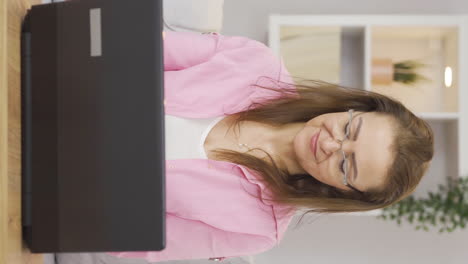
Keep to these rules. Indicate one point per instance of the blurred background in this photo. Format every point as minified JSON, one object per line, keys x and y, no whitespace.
{"x":250,"y":18}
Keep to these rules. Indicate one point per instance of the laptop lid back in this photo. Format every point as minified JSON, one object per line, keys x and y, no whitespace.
{"x":95,"y":134}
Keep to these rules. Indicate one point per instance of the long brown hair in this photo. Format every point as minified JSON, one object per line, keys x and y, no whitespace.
{"x":412,"y":148}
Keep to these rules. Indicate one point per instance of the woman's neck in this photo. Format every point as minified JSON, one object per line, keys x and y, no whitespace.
{"x":277,"y":141}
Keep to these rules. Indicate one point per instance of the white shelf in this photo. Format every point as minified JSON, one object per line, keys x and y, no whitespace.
{"x":371,"y":213}
{"x":367,"y":58}
{"x":438,"y":116}
{"x":363,"y":20}
{"x":463,"y":96}
{"x":376,"y":212}
{"x":352,"y":56}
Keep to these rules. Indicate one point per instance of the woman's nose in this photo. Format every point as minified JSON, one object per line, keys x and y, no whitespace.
{"x":330,"y":145}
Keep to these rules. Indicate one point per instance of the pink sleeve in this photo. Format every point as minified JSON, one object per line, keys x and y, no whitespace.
{"x":188,"y":239}
{"x":186,"y":49}
{"x":209,"y":74}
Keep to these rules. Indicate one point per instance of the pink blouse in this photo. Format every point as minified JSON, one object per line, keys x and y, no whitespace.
{"x":209,"y":211}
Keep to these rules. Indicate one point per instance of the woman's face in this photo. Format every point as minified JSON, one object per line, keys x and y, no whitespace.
{"x":371,"y":134}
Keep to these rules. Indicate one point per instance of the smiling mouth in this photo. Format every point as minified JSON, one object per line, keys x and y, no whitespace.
{"x":314,"y":143}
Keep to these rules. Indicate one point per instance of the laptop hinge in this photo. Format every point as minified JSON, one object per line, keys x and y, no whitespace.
{"x":26,"y":121}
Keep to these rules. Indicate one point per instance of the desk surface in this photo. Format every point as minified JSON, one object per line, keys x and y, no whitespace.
{"x":12,"y":248}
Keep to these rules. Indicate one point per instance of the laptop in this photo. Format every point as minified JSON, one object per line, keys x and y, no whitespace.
{"x":93,"y":153}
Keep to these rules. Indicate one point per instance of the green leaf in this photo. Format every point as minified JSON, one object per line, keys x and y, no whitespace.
{"x":442,"y":219}
{"x":421,"y":218}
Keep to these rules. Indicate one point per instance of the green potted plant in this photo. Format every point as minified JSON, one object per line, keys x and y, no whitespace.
{"x":385,"y":71}
{"x":445,"y":210}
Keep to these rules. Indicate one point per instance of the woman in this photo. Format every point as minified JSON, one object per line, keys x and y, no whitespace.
{"x":311,"y":145}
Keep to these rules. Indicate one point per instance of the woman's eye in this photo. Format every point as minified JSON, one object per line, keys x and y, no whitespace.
{"x":346,"y":127}
{"x":342,"y":166}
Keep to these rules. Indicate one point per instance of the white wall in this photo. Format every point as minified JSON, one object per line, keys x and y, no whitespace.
{"x":363,"y":240}
{"x":352,"y":239}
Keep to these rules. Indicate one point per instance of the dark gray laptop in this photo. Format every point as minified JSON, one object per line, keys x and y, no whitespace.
{"x":93,"y":127}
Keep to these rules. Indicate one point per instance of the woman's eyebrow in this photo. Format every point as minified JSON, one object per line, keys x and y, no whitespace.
{"x":353,"y":157}
{"x":356,"y":134}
